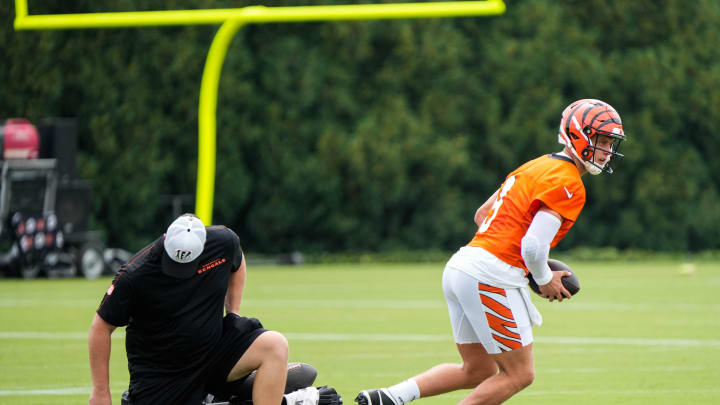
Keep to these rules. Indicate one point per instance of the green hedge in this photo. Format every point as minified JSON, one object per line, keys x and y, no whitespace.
{"x":384,"y":135}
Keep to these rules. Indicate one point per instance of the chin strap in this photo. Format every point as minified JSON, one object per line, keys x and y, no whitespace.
{"x":592,"y":168}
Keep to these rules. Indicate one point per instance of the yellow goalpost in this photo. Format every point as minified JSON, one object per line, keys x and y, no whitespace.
{"x":230,"y":21}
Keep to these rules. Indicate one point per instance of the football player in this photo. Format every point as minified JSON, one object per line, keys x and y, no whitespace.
{"x":485,"y":282}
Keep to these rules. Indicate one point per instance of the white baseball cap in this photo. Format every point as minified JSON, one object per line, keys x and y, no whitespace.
{"x":184,"y":243}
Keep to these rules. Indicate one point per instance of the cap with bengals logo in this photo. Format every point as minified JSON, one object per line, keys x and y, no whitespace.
{"x":184,"y":243}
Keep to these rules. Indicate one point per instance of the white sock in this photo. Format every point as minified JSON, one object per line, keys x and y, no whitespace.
{"x":406,"y":391}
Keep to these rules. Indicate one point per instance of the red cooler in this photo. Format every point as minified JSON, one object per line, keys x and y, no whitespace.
{"x":20,"y":140}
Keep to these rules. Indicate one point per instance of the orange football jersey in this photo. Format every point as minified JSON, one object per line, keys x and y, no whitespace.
{"x":552,"y":180}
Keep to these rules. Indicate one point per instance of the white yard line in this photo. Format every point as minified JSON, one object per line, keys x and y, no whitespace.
{"x":561,"y":340}
{"x":52,"y":335}
{"x":575,"y":305}
{"x":653,"y":392}
{"x":644,"y":307}
{"x":387,"y":337}
{"x":659,"y":369}
{"x":43,"y":303}
{"x":636,"y":392}
{"x":116,"y":389}
{"x":49,"y":391}
{"x":368,"y":337}
{"x":579,"y":340}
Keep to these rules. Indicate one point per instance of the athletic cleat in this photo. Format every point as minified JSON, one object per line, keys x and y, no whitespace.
{"x":376,"y":397}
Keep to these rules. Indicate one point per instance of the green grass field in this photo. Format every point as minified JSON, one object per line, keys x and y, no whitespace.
{"x":637,"y":333}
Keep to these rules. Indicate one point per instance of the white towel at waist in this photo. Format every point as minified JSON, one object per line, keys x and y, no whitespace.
{"x":487,"y":268}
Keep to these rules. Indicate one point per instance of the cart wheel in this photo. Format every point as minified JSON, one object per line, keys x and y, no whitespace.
{"x":30,"y":271}
{"x":90,"y":261}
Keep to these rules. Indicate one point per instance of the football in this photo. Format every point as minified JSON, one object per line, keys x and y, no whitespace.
{"x":571,"y":282}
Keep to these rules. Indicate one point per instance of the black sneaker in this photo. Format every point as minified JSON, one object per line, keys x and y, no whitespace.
{"x":376,"y":397}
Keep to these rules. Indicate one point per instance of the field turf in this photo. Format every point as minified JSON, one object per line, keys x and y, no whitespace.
{"x":637,"y":333}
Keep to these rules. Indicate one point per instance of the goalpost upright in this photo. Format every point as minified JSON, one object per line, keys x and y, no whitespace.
{"x":230,"y":21}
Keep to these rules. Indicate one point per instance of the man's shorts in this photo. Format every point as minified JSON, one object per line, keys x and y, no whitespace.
{"x":238,"y":334}
{"x":480,"y":313}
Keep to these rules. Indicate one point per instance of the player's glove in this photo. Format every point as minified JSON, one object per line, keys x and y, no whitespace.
{"x":313,"y":396}
{"x":328,"y":396}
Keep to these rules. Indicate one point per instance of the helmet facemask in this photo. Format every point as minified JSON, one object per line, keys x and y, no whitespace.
{"x":589,"y":154}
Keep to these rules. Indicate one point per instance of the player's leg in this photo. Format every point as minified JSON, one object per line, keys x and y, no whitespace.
{"x":500,"y":319}
{"x":516,"y":373}
{"x":268,"y":355}
{"x":249,"y":366}
{"x":299,"y":376}
{"x":463,"y":307}
{"x":245,"y":346}
{"x":477,"y":364}
{"x":470,"y":332}
{"x":476,"y":367}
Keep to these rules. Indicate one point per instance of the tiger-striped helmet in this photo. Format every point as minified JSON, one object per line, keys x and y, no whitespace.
{"x":582,"y":122}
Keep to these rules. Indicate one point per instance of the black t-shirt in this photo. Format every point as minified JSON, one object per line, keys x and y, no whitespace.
{"x":172,"y":323}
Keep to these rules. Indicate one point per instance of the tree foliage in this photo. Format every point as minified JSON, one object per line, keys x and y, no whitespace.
{"x":383,"y":135}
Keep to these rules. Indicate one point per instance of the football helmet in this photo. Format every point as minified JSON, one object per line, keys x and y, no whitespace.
{"x":581,"y":123}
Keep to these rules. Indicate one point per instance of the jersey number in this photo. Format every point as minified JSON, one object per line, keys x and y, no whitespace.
{"x":496,"y":205}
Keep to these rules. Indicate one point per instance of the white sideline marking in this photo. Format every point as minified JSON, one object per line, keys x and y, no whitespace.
{"x":340,"y":303}
{"x":306,"y":303}
{"x":562,"y":340}
{"x":386,"y":337}
{"x":375,"y":337}
{"x":440,"y":304}
{"x":385,"y":304}
{"x":644,"y":307}
{"x":580,"y":340}
{"x":116,"y":389}
{"x":53,"y":335}
{"x":659,"y":369}
{"x":55,"y":391}
{"x":42,"y":302}
{"x":679,"y":391}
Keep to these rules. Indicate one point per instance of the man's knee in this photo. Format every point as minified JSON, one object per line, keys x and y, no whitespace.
{"x":274,"y":346}
{"x":477,"y":373}
{"x":523,"y":378}
{"x":517,"y":365}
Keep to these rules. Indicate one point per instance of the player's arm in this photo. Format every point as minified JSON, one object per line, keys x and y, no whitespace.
{"x":484,"y":209}
{"x":99,"y":348}
{"x":535,"y":248}
{"x":233,"y":296}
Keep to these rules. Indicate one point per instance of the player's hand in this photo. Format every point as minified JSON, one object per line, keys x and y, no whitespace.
{"x":100,"y":398}
{"x":555,"y":289}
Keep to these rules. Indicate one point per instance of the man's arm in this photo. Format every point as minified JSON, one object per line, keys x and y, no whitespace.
{"x":482,"y":212}
{"x":235,"y":289}
{"x":99,"y":349}
{"x":535,"y":247}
